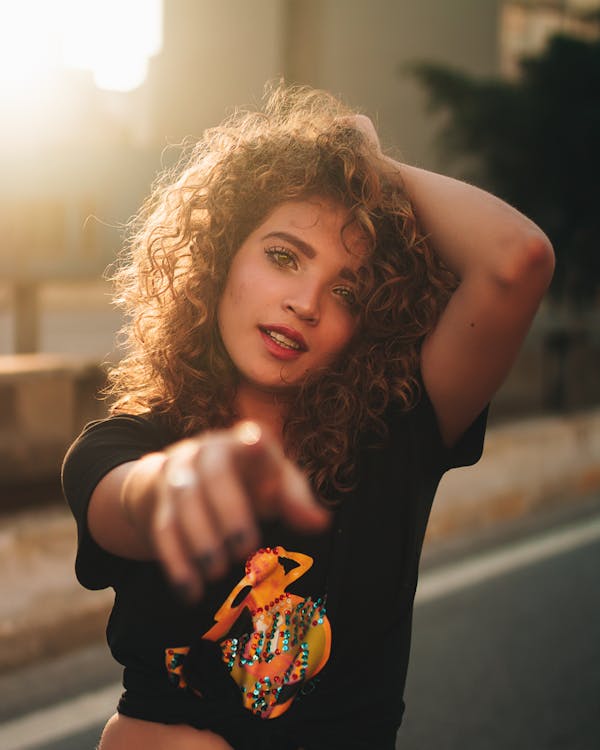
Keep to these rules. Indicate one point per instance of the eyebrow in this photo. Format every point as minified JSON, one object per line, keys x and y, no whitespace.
{"x":309,"y":251}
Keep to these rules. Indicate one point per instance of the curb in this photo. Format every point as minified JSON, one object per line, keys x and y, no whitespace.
{"x":44,"y":611}
{"x":526,"y":466}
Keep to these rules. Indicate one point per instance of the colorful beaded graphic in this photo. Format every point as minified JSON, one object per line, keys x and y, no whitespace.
{"x":290,"y":640}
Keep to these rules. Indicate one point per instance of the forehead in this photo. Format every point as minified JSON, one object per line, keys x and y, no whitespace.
{"x":325,"y":224}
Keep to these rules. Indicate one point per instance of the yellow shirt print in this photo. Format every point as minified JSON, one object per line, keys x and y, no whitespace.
{"x":290,"y":641}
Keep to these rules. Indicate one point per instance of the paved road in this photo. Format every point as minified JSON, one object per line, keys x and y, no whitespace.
{"x":512,"y":661}
{"x":506,"y":654}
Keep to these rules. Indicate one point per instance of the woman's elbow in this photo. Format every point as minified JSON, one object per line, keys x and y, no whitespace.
{"x":531,"y":263}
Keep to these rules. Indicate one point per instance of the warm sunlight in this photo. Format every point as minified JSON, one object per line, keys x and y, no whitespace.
{"x":28,"y":46}
{"x":113,"y":39}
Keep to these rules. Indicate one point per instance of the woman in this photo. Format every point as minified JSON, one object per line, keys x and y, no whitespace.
{"x":315,"y":332}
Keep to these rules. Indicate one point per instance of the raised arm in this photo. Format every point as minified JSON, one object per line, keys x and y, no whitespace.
{"x":504,"y":262}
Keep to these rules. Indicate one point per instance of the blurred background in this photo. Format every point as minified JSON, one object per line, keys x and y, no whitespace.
{"x":97,"y":96}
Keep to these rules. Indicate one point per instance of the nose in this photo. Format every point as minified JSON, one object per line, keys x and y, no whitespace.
{"x":304,"y":303}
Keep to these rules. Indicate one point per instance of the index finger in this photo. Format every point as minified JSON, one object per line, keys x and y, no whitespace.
{"x":276,"y":485}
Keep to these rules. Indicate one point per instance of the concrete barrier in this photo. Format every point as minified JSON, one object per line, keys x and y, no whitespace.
{"x":43,"y":609}
{"x":525,"y":464}
{"x":44,"y":402}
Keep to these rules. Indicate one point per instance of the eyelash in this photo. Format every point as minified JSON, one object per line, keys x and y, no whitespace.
{"x":274,"y":254}
{"x":348,"y":297}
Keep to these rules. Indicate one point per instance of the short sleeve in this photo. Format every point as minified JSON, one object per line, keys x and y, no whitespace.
{"x":101,"y":446}
{"x":420,"y":427}
{"x":465,"y":452}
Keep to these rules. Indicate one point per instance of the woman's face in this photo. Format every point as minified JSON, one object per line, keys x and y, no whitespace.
{"x":288,"y":303}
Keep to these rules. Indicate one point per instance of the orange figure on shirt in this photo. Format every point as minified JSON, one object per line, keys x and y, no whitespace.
{"x":291,"y":637}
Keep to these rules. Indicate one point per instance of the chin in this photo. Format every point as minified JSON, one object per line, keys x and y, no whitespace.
{"x":280,"y":383}
{"x":279,"y":386}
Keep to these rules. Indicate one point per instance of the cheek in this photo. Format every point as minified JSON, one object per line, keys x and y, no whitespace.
{"x":339,"y":334}
{"x":235,"y":294}
{"x":347,"y":324}
{"x":246,"y":284}
{"x":238,"y":293}
{"x":228,"y":304}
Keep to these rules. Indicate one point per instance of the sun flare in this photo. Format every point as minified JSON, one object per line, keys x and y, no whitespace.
{"x":112,"y":39}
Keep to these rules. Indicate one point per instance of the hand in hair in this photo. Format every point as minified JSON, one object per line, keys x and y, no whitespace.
{"x":364,"y":125}
{"x":199,"y":511}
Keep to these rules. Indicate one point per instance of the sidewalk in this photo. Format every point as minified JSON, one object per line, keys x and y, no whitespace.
{"x":526,"y":466}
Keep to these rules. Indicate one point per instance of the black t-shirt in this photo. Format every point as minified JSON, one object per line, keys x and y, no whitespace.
{"x":307,"y":644}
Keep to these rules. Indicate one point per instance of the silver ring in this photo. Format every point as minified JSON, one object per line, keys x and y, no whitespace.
{"x":181,"y":477}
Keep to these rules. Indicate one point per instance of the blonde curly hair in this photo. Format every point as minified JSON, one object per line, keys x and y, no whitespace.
{"x":303,"y":143}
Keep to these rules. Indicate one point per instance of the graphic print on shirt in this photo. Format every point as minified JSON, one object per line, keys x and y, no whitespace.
{"x":286,"y":643}
{"x":288,"y":639}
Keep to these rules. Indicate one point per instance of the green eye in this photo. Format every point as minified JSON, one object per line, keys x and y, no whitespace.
{"x":347,"y":295}
{"x":281,"y":257}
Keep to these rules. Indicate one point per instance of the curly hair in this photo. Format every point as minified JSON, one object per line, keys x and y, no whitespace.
{"x":304,"y":143}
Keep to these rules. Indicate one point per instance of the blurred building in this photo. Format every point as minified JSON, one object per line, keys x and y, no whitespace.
{"x":77,"y":161}
{"x":526,"y":25}
{"x":218,"y":55}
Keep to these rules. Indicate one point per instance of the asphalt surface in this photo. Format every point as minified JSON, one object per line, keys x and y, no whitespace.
{"x":506,"y":656}
{"x":511,"y":662}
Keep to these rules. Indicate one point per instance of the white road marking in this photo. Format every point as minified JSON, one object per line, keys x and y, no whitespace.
{"x":78,"y":714}
{"x":482,"y":567}
{"x":61,"y":720}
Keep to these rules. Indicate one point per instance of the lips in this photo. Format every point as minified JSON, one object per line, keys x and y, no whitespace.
{"x":287,"y":338}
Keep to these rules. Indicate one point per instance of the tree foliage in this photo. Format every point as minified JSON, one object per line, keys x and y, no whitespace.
{"x":537,"y":143}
